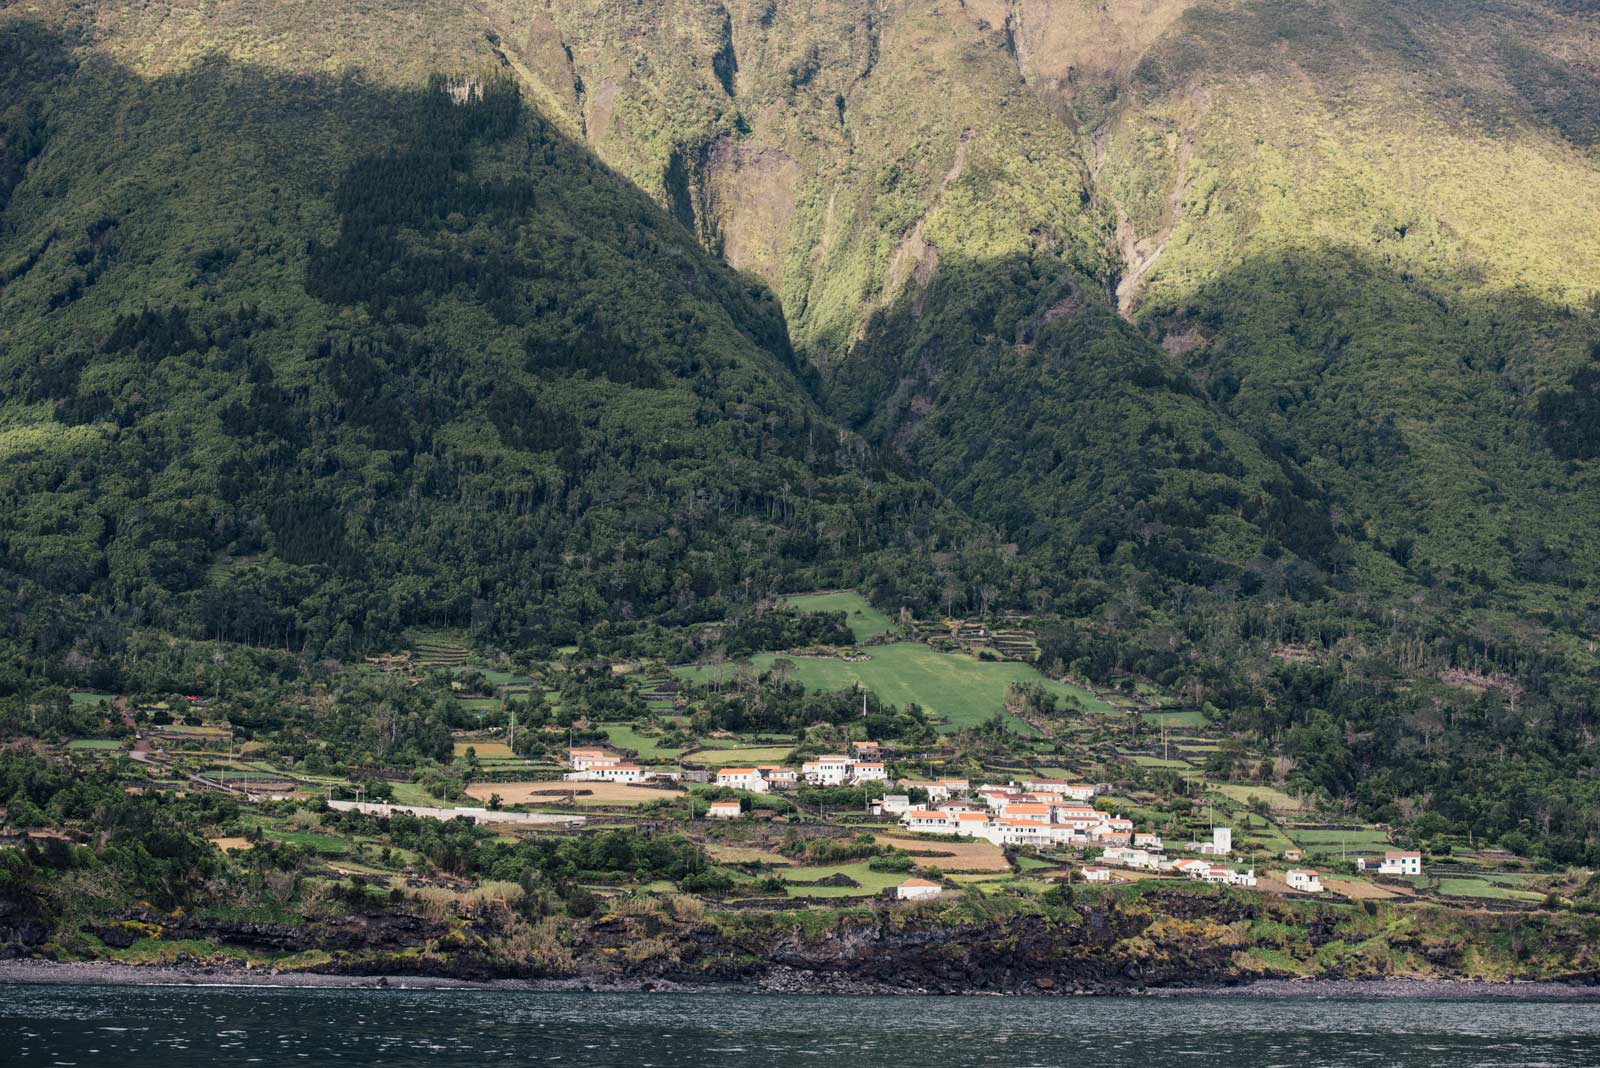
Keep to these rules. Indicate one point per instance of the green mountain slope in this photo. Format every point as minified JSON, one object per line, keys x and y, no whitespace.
{"x":298,"y":360}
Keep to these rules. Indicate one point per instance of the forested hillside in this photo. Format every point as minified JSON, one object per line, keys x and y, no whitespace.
{"x":296,"y":361}
{"x":1253,"y":347}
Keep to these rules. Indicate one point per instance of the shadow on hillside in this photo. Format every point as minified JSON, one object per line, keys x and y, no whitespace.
{"x":1334,"y":404}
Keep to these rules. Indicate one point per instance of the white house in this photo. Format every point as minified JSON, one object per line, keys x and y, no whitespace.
{"x":1014,"y":830}
{"x":1096,"y":874}
{"x":584,"y":759}
{"x":1077,"y":791}
{"x":777,"y":776}
{"x":1130,"y":858}
{"x":617,"y":773}
{"x":743,"y":779}
{"x":1220,"y":874}
{"x":869,"y":771}
{"x":973,"y":824}
{"x":1148,"y":841}
{"x":1293,"y":854}
{"x":831,"y":770}
{"x":1303,"y":879}
{"x":891,"y":805}
{"x":915,"y":889}
{"x":724,"y":810}
{"x":926,"y":821}
{"x":1032,"y":810}
{"x":1395,"y":864}
{"x":1221,"y":843}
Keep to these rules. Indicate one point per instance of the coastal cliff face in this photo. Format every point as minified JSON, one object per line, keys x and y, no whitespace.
{"x":1112,"y":945}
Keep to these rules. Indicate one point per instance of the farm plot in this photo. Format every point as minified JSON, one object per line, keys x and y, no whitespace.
{"x":951,"y":856}
{"x":772,"y":754}
{"x":647,"y":747}
{"x":485,"y":750}
{"x":962,"y":690}
{"x":867,"y":881}
{"x":1357,"y":890}
{"x":865,"y":621}
{"x":1277,"y":800}
{"x":1323,"y":842}
{"x":1488,"y":888}
{"x":1187,"y":718}
{"x":555,"y":793}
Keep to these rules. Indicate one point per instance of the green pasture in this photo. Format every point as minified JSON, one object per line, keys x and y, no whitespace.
{"x":1492,"y":890}
{"x":865,"y":621}
{"x":1192,"y":717}
{"x":962,"y":690}
{"x":94,"y":744}
{"x":648,"y":748}
{"x":82,"y":698}
{"x":871,"y":881}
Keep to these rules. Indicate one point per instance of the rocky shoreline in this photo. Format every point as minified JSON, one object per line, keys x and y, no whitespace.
{"x":106,"y":973}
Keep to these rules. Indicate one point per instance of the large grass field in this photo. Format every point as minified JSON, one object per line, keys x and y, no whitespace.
{"x":961,"y":690}
{"x":647,"y":748}
{"x":1320,"y":843}
{"x":865,"y":621}
{"x":1276,"y":799}
{"x":1188,"y":718}
{"x":871,"y":881}
{"x":1452,"y":886}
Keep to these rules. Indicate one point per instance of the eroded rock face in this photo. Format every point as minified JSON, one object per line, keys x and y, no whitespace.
{"x":749,"y":199}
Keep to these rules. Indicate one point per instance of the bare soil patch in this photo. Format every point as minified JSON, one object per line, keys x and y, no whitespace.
{"x":951,"y":856}
{"x":555,"y":793}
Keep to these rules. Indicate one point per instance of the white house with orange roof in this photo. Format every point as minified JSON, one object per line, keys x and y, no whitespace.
{"x":926,"y":821}
{"x":778,"y":776}
{"x":996,"y":797}
{"x":1017,"y":830}
{"x":1094,"y":873}
{"x":1033,"y":810}
{"x":743,"y":779}
{"x":915,"y":889}
{"x":956,"y":786}
{"x":1304,"y":880}
{"x":1151,"y":842}
{"x":972,"y":824}
{"x":869,"y":771}
{"x":725,"y":810}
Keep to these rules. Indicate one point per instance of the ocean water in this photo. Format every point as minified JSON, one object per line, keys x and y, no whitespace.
{"x":171,"y":1027}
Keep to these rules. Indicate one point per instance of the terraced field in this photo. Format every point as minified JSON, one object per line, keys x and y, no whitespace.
{"x":438,"y":649}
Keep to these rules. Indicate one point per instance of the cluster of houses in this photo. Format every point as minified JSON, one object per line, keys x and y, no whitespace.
{"x":1045,"y":813}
